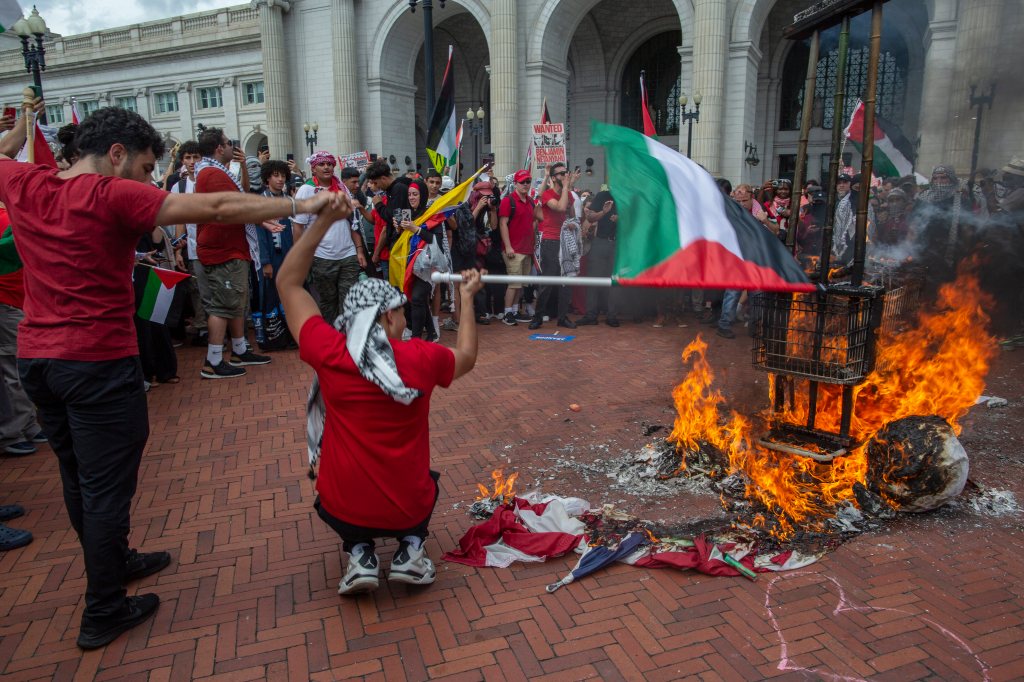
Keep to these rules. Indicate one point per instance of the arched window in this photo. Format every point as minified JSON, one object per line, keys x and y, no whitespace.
{"x":892,"y":75}
{"x":659,"y":59}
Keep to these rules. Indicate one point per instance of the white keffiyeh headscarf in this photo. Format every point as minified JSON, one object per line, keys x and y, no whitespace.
{"x":370,"y":349}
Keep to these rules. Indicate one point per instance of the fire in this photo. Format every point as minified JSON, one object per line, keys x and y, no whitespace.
{"x":504,"y":488}
{"x":938,"y":367}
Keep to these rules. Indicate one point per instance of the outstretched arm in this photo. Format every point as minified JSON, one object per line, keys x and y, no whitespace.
{"x":465,"y":344}
{"x":299,"y":306}
{"x":233,"y":208}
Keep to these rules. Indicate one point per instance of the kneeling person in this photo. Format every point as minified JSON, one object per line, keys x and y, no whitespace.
{"x":368,"y":412}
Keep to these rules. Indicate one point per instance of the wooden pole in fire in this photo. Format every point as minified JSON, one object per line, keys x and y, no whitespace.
{"x":800,"y":174}
{"x":868,"y":148}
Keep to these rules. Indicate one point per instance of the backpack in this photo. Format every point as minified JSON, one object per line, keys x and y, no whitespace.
{"x":512,"y":205}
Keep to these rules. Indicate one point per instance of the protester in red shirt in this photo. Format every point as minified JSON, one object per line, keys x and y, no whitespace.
{"x":368,"y":413}
{"x":555,"y":204}
{"x":517,"y":215}
{"x":76,"y":232}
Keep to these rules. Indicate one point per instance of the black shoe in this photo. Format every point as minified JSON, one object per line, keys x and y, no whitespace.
{"x":586,"y":320}
{"x":611,"y":322}
{"x":709,"y":318}
{"x":200,"y":340}
{"x":480,"y":319}
{"x":509,"y":319}
{"x":523,"y":317}
{"x":13,"y":538}
{"x":726,"y":333}
{"x":566,"y":322}
{"x":136,"y":610}
{"x":248,"y":358}
{"x":141,"y":564}
{"x":11,"y":511}
{"x":535,"y":323}
{"x":221,"y":370}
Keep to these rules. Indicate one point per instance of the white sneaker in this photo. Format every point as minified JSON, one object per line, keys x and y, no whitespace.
{"x":411,"y":566}
{"x":361,"y":574}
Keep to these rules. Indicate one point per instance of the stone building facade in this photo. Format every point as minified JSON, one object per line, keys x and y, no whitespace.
{"x":355,"y":67}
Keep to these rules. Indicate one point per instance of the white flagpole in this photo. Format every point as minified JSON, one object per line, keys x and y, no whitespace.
{"x":534,"y":280}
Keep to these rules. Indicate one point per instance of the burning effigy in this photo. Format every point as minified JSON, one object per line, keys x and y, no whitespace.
{"x":788,"y":503}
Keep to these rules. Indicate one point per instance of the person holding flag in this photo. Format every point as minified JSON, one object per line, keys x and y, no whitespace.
{"x":78,"y":357}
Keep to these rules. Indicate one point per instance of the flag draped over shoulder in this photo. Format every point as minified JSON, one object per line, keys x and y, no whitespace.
{"x":677,"y":229}
{"x":10,"y":12}
{"x":159,"y":293}
{"x":441,"y":138}
{"x":645,"y":110}
{"x":893,"y":152}
{"x":40,"y":149}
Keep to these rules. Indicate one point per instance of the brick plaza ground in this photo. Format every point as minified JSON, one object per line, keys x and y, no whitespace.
{"x":251,"y":593}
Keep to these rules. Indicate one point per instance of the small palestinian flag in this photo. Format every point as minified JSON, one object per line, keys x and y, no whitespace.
{"x":158,"y":294}
{"x":441,"y":142}
{"x":893,"y":152}
{"x":40,"y":152}
{"x":10,"y":12}
{"x":677,"y":229}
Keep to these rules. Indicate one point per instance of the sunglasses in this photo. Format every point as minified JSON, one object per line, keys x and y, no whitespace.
{"x":523,"y":182}
{"x":561,"y":173}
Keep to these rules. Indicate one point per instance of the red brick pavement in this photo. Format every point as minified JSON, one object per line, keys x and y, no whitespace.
{"x":251,"y":593}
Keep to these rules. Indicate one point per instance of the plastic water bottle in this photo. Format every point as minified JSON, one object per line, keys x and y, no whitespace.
{"x":257,"y":325}
{"x":363,"y":275}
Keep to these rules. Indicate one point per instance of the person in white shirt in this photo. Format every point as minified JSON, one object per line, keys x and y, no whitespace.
{"x":341,"y":254}
{"x":186,"y":184}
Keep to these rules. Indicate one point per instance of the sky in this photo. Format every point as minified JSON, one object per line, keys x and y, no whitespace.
{"x":69,"y":17}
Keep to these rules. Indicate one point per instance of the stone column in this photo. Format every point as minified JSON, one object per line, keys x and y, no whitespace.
{"x":978,"y":37}
{"x":142,"y":103}
{"x":347,"y":88}
{"x":188,"y":131}
{"x":709,"y":61}
{"x":275,"y":76}
{"x":229,"y":97}
{"x":504,"y":91}
{"x":738,"y":118}
{"x":935,"y":94}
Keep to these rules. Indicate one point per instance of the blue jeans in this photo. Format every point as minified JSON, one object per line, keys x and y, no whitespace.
{"x":730,"y":299}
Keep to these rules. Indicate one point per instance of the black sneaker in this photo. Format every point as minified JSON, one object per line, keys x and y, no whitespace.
{"x":586,"y":320}
{"x":13,"y":538}
{"x":509,"y":319}
{"x":221,"y":370}
{"x":248,"y":358}
{"x":136,"y":610}
{"x":566,"y":322}
{"x":726,"y":333}
{"x":11,"y":511}
{"x":611,"y":322}
{"x":535,"y":323}
{"x":200,"y":341}
{"x":524,"y":317}
{"x":480,"y":319}
{"x":141,"y":564}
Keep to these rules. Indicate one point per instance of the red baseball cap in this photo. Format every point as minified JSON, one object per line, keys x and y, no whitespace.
{"x":522,"y":176}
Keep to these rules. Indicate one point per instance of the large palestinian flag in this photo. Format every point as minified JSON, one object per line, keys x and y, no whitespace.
{"x":677,"y":229}
{"x":442,"y":145}
{"x":893,"y":152}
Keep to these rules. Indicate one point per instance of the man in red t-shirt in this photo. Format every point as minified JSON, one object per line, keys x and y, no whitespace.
{"x":517,"y":215}
{"x":225,"y":254}
{"x":555,"y":204}
{"x":78,"y":358}
{"x":369,"y":413}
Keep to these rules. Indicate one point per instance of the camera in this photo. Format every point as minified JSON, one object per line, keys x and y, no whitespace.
{"x":493,"y":200}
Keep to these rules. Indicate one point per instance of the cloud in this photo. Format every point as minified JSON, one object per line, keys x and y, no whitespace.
{"x":70,"y":17}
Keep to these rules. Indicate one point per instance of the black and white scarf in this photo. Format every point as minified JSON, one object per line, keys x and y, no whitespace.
{"x":250,"y":229}
{"x":370,"y":349}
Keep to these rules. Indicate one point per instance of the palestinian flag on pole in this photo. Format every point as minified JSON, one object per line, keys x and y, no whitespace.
{"x":645,"y":110}
{"x":75,"y":117}
{"x":10,"y":12}
{"x":893,"y":152}
{"x":677,"y":229}
{"x":40,"y":150}
{"x":441,"y":142}
{"x":158,"y":294}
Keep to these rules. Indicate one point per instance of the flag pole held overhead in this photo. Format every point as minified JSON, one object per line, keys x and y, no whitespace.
{"x":528,"y":280}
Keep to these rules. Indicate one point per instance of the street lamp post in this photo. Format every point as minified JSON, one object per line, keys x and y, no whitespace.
{"x":311,"y":130}
{"x":35,"y":56}
{"x":476,"y":129}
{"x":980,"y":102}
{"x":689,"y":118}
{"x":428,"y":48}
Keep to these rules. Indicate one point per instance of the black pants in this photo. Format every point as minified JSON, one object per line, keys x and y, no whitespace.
{"x":352,"y":535}
{"x":419,"y":303}
{"x":156,"y":350}
{"x":95,"y":416}
{"x":551,"y":266}
{"x":600,"y":263}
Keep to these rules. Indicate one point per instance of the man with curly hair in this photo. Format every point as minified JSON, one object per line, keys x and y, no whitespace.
{"x":78,"y":357}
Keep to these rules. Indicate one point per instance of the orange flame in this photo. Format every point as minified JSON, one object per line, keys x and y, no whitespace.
{"x":504,"y":488}
{"x":938,"y":368}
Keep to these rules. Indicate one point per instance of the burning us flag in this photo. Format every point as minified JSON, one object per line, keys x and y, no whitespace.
{"x":677,"y":229}
{"x":158,"y":294}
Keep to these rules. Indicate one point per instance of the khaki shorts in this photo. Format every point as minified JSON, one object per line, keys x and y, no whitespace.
{"x":226,"y":288}
{"x":519,"y":264}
